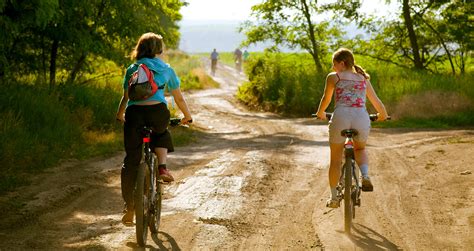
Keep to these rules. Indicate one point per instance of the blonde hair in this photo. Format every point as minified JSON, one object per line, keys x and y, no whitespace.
{"x":346,"y":56}
{"x":148,"y":46}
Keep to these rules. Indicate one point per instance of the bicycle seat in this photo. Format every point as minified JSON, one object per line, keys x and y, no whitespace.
{"x":349,"y":133}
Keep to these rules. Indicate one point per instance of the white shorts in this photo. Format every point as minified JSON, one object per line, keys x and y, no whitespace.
{"x":349,"y":118}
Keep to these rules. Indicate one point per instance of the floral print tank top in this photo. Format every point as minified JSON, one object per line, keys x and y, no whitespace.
{"x":350,"y":93}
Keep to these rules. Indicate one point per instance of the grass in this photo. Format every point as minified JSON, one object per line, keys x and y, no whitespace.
{"x":40,"y":126}
{"x":287,"y":83}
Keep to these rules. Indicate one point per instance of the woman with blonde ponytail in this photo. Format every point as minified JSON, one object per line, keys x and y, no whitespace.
{"x":351,"y":86}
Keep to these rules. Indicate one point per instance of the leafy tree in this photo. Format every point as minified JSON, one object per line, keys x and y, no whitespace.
{"x":292,"y":23}
{"x":425,"y":36}
{"x":63,"y":34}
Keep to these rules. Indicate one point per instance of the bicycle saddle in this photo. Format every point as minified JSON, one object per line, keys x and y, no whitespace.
{"x":349,"y":133}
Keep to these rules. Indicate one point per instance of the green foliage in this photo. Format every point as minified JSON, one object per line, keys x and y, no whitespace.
{"x":40,"y":126}
{"x":439,"y":42}
{"x":285,"y":83}
{"x":292,"y":24}
{"x":59,"y":35}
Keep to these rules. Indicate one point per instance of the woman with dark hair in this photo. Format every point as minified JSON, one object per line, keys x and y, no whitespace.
{"x":152,"y":112}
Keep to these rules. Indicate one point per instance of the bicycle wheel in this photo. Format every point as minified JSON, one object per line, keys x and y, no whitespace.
{"x":155,"y":214}
{"x":141,"y":205}
{"x":348,"y":204}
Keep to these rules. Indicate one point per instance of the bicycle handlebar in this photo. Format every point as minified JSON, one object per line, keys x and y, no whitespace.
{"x":373,"y":117}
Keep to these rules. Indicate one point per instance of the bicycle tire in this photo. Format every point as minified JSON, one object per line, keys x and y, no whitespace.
{"x":348,"y":203}
{"x":141,"y":206}
{"x":155,"y":214}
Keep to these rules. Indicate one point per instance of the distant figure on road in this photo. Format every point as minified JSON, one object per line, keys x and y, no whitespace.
{"x":246,"y":55}
{"x":214,"y":57}
{"x":238,"y":59}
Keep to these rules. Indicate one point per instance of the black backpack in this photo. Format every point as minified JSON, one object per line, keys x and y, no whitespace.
{"x":141,"y":91}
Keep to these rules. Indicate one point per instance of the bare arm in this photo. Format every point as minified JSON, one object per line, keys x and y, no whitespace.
{"x":327,"y":96}
{"x":121,"y":109}
{"x":183,"y":106}
{"x":382,"y":113}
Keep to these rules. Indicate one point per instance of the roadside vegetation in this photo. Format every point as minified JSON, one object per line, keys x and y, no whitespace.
{"x":287,"y":83}
{"x":42,"y":125}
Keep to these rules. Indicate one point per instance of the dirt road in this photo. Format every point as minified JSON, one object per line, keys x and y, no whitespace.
{"x":257,"y":181}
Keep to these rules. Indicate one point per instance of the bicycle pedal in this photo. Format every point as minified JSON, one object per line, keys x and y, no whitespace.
{"x":367,"y":189}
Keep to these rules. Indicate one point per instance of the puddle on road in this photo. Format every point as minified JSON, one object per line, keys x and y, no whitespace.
{"x":214,"y":192}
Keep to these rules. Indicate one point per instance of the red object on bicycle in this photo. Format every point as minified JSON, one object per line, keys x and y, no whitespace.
{"x":146,"y":140}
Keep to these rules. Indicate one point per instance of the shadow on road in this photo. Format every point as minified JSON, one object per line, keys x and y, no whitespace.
{"x":368,"y":239}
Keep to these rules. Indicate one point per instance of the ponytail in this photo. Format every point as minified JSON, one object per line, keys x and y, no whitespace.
{"x":361,"y":71}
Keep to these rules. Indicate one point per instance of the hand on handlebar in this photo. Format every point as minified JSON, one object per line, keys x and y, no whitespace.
{"x":321,"y":116}
{"x":186,"y":121}
{"x":382,"y":117}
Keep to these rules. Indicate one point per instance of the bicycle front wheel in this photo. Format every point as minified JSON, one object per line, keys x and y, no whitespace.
{"x":348,"y":206}
{"x":141,"y":205}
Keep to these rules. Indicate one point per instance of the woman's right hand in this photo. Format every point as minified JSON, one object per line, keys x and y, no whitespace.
{"x":382,"y":116}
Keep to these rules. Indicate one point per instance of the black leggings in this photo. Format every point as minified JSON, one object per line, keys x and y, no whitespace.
{"x":136,"y":117}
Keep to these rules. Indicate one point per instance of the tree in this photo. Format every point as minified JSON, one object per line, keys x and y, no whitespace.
{"x":427,"y":34}
{"x":291,"y":23}
{"x":63,"y":34}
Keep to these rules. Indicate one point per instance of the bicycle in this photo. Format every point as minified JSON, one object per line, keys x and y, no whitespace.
{"x":148,"y":201}
{"x":349,"y":187}
{"x":213,"y":66}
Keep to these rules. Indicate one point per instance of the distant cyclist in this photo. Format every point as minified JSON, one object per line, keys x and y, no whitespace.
{"x":245,"y":56}
{"x":351,"y":86}
{"x":214,"y":58}
{"x":152,"y":112}
{"x":238,"y":59}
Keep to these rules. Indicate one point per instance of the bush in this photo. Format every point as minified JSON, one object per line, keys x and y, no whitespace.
{"x":289,"y":84}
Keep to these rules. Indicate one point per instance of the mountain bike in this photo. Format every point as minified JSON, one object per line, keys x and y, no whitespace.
{"x":349,"y":186}
{"x":148,"y":189}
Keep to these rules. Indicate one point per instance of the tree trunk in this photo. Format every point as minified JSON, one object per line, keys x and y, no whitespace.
{"x":412,"y":35}
{"x":315,"y":48}
{"x":52,"y":63}
{"x":77,"y":68}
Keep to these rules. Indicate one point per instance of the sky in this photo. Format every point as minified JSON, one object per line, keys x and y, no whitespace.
{"x":209,"y":24}
{"x":218,"y":9}
{"x":199,"y":10}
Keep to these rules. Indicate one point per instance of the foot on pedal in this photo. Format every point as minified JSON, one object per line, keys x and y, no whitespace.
{"x":367,"y":184}
{"x":332,"y":203}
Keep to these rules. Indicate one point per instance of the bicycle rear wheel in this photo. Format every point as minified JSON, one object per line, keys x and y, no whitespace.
{"x":142,"y":193}
{"x":348,"y":203}
{"x":155,"y":216}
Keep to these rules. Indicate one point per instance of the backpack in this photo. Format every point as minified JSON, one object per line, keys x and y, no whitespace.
{"x":141,"y":84}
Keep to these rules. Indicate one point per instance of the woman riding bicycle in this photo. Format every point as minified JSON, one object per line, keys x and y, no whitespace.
{"x":152,"y":112}
{"x":351,"y":86}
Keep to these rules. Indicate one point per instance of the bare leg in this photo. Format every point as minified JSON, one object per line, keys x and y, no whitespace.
{"x":162,"y":153}
{"x":360,"y":153}
{"x":335,"y":165}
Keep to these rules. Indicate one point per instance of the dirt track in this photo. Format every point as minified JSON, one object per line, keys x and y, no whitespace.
{"x":256,"y":181}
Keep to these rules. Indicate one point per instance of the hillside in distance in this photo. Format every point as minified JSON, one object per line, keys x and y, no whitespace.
{"x":200,"y":36}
